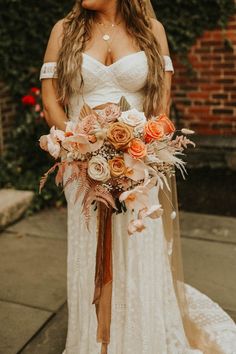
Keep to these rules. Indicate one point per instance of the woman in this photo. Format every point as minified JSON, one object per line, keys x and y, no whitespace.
{"x":101,"y":51}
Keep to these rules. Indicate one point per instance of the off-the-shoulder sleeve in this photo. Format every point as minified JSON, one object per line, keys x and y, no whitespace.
{"x":168,"y":63}
{"x":48,"y":71}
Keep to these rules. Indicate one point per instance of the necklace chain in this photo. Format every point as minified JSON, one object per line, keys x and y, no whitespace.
{"x":106,"y":37}
{"x":112,"y":24}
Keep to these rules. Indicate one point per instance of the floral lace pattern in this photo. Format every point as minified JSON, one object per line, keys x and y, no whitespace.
{"x":145,"y":314}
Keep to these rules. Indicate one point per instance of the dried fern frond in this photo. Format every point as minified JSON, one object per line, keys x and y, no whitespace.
{"x":83,"y":180}
{"x":44,"y":178}
{"x":60,"y":173}
{"x":96,"y":192}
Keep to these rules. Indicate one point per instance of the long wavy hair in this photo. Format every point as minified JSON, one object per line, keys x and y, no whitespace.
{"x":77,"y":31}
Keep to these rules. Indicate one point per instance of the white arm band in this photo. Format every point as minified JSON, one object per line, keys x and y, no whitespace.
{"x":168,"y":63}
{"x":48,"y":71}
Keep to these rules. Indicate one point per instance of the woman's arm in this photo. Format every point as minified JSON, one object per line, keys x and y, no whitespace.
{"x":53,"y":110}
{"x":160,"y":34}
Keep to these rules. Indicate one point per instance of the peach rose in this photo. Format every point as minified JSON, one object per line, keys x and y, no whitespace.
{"x":153,"y":131}
{"x":117,"y":166}
{"x":166,"y":123}
{"x":111,"y":113}
{"x":87,"y":124}
{"x":137,"y":149}
{"x":119,"y":135}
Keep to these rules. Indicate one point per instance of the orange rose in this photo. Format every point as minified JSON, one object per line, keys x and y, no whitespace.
{"x":92,"y":138}
{"x":119,"y":135}
{"x":153,"y":131}
{"x":137,"y":149}
{"x":67,"y":134}
{"x":117,"y":166}
{"x":166,"y":123}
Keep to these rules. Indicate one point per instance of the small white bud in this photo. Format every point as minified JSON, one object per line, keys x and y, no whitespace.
{"x":187,"y":131}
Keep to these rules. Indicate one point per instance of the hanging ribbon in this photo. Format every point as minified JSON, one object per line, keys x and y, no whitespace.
{"x":103,"y":275}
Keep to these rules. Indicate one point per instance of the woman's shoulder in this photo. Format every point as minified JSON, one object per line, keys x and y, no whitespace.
{"x":157,"y":25}
{"x":55,"y":41}
{"x":58,"y":28}
{"x":159,"y":32}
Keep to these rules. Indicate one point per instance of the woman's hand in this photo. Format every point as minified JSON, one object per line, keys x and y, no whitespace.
{"x":53,"y":110}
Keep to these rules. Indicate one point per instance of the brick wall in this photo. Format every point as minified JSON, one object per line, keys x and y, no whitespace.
{"x":206,"y":103}
{"x":7,"y":116}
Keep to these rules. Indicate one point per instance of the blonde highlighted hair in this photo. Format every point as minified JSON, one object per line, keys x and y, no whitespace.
{"x":77,"y":31}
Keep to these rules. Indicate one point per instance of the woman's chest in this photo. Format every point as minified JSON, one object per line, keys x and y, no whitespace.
{"x":128,"y":73}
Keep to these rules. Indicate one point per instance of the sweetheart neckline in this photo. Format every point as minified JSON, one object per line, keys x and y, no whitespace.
{"x":115,"y":62}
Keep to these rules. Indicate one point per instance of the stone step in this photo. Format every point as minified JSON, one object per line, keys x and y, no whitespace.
{"x":13,"y":204}
{"x":208,"y":227}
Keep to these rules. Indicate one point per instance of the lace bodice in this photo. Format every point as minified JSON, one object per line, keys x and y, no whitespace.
{"x":102,"y":83}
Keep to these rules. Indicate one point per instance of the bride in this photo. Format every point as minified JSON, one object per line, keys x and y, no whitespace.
{"x":101,"y":51}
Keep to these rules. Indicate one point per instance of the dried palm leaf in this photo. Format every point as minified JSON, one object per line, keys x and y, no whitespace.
{"x":85,"y":111}
{"x":124,"y":104}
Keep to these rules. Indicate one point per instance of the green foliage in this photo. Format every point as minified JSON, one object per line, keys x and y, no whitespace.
{"x":186,"y":20}
{"x":24,"y":30}
{"x":25,"y":26}
{"x":24,"y":163}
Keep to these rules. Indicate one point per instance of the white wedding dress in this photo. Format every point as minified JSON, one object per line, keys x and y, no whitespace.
{"x":145,"y":319}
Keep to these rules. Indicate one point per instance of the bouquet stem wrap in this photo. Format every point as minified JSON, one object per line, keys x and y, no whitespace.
{"x":103,"y":275}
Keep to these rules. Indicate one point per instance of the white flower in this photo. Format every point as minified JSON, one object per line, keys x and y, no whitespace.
{"x":54,"y":147}
{"x":52,"y":142}
{"x":98,"y":169}
{"x":71,"y":126}
{"x":136,"y":198}
{"x":136,"y":169}
{"x":187,"y":131}
{"x":139,"y":128}
{"x":155,"y":211}
{"x":135,"y":226}
{"x":133,"y":117}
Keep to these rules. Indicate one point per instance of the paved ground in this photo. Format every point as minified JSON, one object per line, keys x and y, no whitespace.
{"x":33,"y":312}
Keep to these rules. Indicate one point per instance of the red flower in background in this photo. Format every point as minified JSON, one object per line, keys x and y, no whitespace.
{"x":35,"y":90}
{"x":29,"y":100}
{"x":33,"y":102}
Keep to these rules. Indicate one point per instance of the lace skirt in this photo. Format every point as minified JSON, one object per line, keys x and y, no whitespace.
{"x":145,"y":315}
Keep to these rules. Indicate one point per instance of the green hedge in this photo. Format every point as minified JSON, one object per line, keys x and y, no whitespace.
{"x":24,"y":30}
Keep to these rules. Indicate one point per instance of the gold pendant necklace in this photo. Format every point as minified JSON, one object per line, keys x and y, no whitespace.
{"x":108,"y":39}
{"x":105,"y":36}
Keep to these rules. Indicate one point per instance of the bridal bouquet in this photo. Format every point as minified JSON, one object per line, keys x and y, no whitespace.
{"x":117,"y":156}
